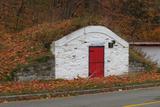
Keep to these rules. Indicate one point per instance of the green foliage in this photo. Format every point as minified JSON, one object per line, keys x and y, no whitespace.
{"x":1,"y":46}
{"x":85,"y":21}
{"x":156,"y":20}
{"x":10,"y":76}
{"x":45,"y":37}
{"x":40,"y":59}
{"x":31,"y":61}
{"x":47,"y":23}
{"x":19,"y":27}
{"x":18,"y":67}
{"x":158,"y":70}
{"x":48,"y":35}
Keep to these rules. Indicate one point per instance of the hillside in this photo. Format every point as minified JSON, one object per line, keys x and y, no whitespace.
{"x":27,"y":27}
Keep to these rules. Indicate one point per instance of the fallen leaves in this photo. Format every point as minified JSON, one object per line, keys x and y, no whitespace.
{"x":77,"y":84}
{"x":28,"y":43}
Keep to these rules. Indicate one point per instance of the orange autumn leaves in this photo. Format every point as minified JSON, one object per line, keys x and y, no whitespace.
{"x":19,"y":47}
{"x":77,"y":84}
{"x":16,"y":52}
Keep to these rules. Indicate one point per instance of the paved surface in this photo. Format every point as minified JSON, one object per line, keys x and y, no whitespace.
{"x":149,"y":97}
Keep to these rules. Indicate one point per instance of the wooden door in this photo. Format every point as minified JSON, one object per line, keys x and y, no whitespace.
{"x":96,"y":61}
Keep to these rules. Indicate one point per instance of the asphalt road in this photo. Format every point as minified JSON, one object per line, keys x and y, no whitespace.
{"x":149,"y":97}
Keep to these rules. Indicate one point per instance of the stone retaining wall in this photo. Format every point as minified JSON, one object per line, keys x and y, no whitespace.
{"x":45,"y":71}
{"x":38,"y":71}
{"x":136,"y":67}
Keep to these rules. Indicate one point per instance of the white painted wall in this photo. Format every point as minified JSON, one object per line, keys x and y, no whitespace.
{"x":153,"y":52}
{"x":71,"y":57}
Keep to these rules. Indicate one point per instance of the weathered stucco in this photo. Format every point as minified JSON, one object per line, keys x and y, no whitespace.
{"x":72,"y":51}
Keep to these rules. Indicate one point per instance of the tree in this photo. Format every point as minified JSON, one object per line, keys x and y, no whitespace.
{"x":92,"y":6}
{"x":136,"y":8}
{"x":19,"y":11}
{"x":142,"y":12}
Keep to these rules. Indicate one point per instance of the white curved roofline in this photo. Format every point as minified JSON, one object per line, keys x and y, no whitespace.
{"x":90,"y":29}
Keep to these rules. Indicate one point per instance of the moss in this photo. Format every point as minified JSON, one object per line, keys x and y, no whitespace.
{"x":2,"y":47}
{"x":11,"y":75}
{"x":40,"y":59}
{"x":158,"y":70}
{"x":48,"y":34}
{"x":31,"y":62}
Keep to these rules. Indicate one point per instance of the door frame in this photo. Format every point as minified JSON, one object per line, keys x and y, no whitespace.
{"x":89,"y":59}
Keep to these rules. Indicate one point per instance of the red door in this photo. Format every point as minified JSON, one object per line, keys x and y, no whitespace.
{"x":96,"y":61}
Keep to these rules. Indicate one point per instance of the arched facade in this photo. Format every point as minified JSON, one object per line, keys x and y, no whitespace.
{"x":92,"y":51}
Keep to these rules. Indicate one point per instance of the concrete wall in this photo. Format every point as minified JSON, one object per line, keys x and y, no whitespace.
{"x":136,"y":67}
{"x":36,"y":71}
{"x":152,"y":52}
{"x":71,"y":58}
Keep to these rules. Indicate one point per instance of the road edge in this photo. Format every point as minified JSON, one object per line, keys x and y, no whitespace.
{"x":48,"y":95}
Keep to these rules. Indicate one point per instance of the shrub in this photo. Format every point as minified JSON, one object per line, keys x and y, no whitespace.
{"x":50,"y":33}
{"x":158,"y":70}
{"x":2,"y":46}
{"x":40,"y":59}
{"x":10,"y":76}
{"x":136,"y":56}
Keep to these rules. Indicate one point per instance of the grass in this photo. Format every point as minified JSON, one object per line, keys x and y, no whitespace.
{"x":158,"y":69}
{"x":31,"y":61}
{"x":139,"y":57}
{"x":2,"y":47}
{"x":47,"y":35}
{"x":33,"y":44}
{"x":40,"y":59}
{"x":11,"y":76}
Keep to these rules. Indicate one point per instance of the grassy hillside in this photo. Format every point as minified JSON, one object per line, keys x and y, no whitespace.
{"x":27,"y":27}
{"x":22,"y":47}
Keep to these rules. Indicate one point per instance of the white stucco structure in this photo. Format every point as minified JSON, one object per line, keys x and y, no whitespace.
{"x":72,"y":52}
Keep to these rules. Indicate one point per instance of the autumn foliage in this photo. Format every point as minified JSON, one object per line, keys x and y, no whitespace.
{"x":77,"y":84}
{"x":33,"y":42}
{"x":27,"y":27}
